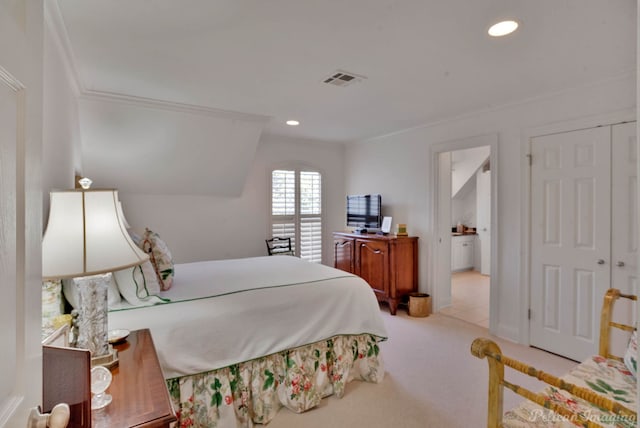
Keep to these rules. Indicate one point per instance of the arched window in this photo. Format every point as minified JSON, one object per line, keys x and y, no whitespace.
{"x":296,"y":210}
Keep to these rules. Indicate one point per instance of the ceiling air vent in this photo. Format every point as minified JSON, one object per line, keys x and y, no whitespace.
{"x":343,"y":78}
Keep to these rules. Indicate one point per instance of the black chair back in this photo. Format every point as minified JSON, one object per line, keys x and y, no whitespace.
{"x":279,"y":246}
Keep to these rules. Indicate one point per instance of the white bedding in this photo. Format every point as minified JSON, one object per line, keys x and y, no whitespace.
{"x":260,"y":306}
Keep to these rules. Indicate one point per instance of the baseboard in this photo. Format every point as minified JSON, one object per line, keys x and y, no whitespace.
{"x":507,"y":332}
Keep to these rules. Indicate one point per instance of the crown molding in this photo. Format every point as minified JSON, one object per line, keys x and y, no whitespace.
{"x":154,"y":103}
{"x":622,"y":75}
{"x":53,"y":17}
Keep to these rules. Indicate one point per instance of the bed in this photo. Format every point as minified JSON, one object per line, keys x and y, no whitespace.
{"x":239,"y":339}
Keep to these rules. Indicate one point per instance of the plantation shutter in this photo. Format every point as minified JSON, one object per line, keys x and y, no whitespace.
{"x":296,"y":211}
{"x":283,"y":205}
{"x":310,"y":220}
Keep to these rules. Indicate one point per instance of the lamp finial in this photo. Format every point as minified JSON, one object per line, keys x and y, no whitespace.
{"x":85,"y":182}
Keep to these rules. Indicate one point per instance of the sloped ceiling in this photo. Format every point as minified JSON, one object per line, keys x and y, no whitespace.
{"x":425,"y":60}
{"x":465,"y":164}
{"x":147,"y":149}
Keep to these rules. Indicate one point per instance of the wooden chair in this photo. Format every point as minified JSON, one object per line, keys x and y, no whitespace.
{"x":277,"y":246}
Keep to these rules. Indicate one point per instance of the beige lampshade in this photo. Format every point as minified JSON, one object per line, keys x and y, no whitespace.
{"x":85,"y":235}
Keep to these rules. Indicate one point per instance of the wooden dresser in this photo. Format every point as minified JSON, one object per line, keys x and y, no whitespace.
{"x":388,"y":263}
{"x":140,"y":395}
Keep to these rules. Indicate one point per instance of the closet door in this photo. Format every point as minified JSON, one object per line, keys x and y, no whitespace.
{"x":624,"y":225}
{"x":570,"y":239}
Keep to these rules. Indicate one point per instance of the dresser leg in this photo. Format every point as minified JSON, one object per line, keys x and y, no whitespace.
{"x":393,"y":306}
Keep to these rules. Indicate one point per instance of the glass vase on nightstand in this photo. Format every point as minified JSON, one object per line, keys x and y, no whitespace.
{"x":100,"y":381}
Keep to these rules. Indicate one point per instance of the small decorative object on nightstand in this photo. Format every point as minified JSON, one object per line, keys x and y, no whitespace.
{"x":100,"y":381}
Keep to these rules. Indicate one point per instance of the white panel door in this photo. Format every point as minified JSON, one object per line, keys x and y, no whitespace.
{"x":624,"y":226}
{"x":20,"y":209}
{"x":20,"y":363}
{"x":9,"y":352}
{"x":624,"y":191}
{"x":570,"y":239}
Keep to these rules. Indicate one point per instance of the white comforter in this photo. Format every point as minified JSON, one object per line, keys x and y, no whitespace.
{"x":229,"y":311}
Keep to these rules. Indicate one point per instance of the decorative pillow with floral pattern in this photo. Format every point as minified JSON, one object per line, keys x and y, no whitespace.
{"x":631,"y":355}
{"x":52,"y":305}
{"x":160,"y":257}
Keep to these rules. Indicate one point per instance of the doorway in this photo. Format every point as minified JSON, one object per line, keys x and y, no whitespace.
{"x":465,"y":190}
{"x":470,"y":235}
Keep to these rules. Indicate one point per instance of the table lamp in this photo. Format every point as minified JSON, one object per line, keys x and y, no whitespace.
{"x":86,"y":240}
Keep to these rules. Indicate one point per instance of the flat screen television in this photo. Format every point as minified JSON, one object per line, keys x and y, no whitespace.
{"x":364,"y":211}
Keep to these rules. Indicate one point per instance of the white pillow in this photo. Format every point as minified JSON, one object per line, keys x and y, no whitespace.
{"x":139,"y":285}
{"x":71,"y":293}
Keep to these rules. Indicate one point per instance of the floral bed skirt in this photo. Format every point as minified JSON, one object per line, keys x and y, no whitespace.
{"x":604,"y":376}
{"x":254,"y":391}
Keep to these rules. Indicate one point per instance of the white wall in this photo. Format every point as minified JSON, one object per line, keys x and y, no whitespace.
{"x":61,"y":157}
{"x":399,"y":167}
{"x":208,"y":228}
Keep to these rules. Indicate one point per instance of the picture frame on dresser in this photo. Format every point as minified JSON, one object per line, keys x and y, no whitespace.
{"x":386,"y":225}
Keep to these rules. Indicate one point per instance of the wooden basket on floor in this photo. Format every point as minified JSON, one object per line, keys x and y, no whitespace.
{"x":419,"y":305}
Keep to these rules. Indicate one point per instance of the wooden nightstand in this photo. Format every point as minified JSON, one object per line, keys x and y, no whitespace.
{"x":140,"y":395}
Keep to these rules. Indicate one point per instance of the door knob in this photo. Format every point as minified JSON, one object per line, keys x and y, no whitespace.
{"x":620,"y":264}
{"x":600,"y":261}
{"x":58,"y":418}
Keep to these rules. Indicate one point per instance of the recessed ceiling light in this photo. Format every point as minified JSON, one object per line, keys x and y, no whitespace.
{"x":293,"y":123}
{"x":503,"y":28}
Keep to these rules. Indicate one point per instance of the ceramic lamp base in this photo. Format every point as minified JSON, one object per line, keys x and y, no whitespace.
{"x":92,"y":319}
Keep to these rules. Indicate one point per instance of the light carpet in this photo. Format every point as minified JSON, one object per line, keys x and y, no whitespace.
{"x":431,"y":380}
